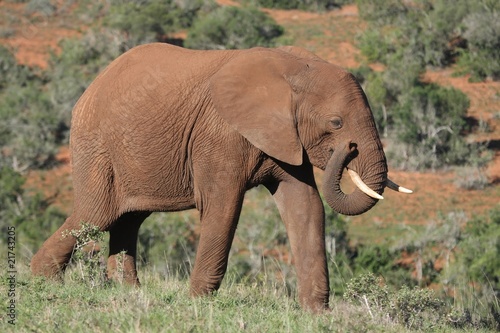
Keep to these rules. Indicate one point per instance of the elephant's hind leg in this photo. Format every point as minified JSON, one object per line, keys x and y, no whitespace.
{"x":95,"y":204}
{"x":55,"y":253}
{"x":123,"y":247}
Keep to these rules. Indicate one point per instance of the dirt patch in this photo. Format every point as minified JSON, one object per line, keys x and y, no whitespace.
{"x":287,"y":16}
{"x":228,"y":3}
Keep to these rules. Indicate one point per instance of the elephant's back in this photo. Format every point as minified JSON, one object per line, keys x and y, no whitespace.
{"x":148,"y":74}
{"x":149,"y":84}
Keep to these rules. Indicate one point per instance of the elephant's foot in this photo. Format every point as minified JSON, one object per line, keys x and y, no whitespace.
{"x":52,"y":258}
{"x":314,"y":304}
{"x":50,"y":265}
{"x":121,"y":269}
{"x":203,"y":287}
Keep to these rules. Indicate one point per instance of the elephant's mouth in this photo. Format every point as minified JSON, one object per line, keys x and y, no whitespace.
{"x":356,"y":179}
{"x":351,"y":154}
{"x":365,"y":196}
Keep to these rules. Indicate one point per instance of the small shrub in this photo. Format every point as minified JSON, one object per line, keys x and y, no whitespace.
{"x":481,"y":249}
{"x":471,"y":177}
{"x":233,"y":28}
{"x":87,"y":257}
{"x":368,"y":290}
{"x":10,"y":71}
{"x":414,"y":308}
{"x":434,"y":33}
{"x":417,"y":308}
{"x":376,"y":259}
{"x":6,"y":32}
{"x":383,"y":13}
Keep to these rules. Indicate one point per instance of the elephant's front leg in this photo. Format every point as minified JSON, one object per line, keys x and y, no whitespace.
{"x":219,"y":213}
{"x":302,"y":212}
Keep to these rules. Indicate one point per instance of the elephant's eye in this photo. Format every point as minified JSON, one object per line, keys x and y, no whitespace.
{"x":336,"y":122}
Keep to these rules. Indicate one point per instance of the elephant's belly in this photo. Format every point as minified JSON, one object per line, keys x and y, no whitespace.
{"x":158,"y":190}
{"x":154,"y":204}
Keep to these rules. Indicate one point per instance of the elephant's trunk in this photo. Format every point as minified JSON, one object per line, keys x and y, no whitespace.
{"x":373,"y":175}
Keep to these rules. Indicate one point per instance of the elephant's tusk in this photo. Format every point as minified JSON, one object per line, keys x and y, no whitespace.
{"x":395,"y":187}
{"x":356,"y":179}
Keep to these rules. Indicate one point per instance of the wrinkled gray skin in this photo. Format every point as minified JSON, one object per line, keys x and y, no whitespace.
{"x":166,"y":129}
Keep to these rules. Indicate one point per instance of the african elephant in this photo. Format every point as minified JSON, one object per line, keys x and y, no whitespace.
{"x":164,"y":128}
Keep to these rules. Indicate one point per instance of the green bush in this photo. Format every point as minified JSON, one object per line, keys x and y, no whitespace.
{"x":376,"y":259}
{"x":381,"y":13}
{"x":10,"y":71}
{"x":150,"y":20}
{"x":312,"y":5}
{"x":29,"y":132}
{"x":435,"y":33}
{"x":482,"y":56}
{"x":429,"y":122}
{"x":420,"y":31}
{"x":233,"y":28}
{"x":414,"y":308}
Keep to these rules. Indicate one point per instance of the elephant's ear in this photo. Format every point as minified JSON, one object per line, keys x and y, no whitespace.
{"x":251,"y":94}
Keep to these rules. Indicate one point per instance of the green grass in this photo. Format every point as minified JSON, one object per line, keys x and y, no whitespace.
{"x":163,"y":304}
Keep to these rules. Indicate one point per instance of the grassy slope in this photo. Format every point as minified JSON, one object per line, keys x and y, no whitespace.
{"x":163,"y":305}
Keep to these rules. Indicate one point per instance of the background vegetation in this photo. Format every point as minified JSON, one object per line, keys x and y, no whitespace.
{"x":376,"y":286}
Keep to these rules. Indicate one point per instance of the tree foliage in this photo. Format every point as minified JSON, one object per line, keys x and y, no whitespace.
{"x":434,"y":32}
{"x":233,"y":28}
{"x":482,"y":56}
{"x":29,"y":132}
{"x":150,"y":20}
{"x":425,"y":124}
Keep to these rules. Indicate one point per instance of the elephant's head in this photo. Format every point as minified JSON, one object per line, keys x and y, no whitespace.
{"x":287,"y":101}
